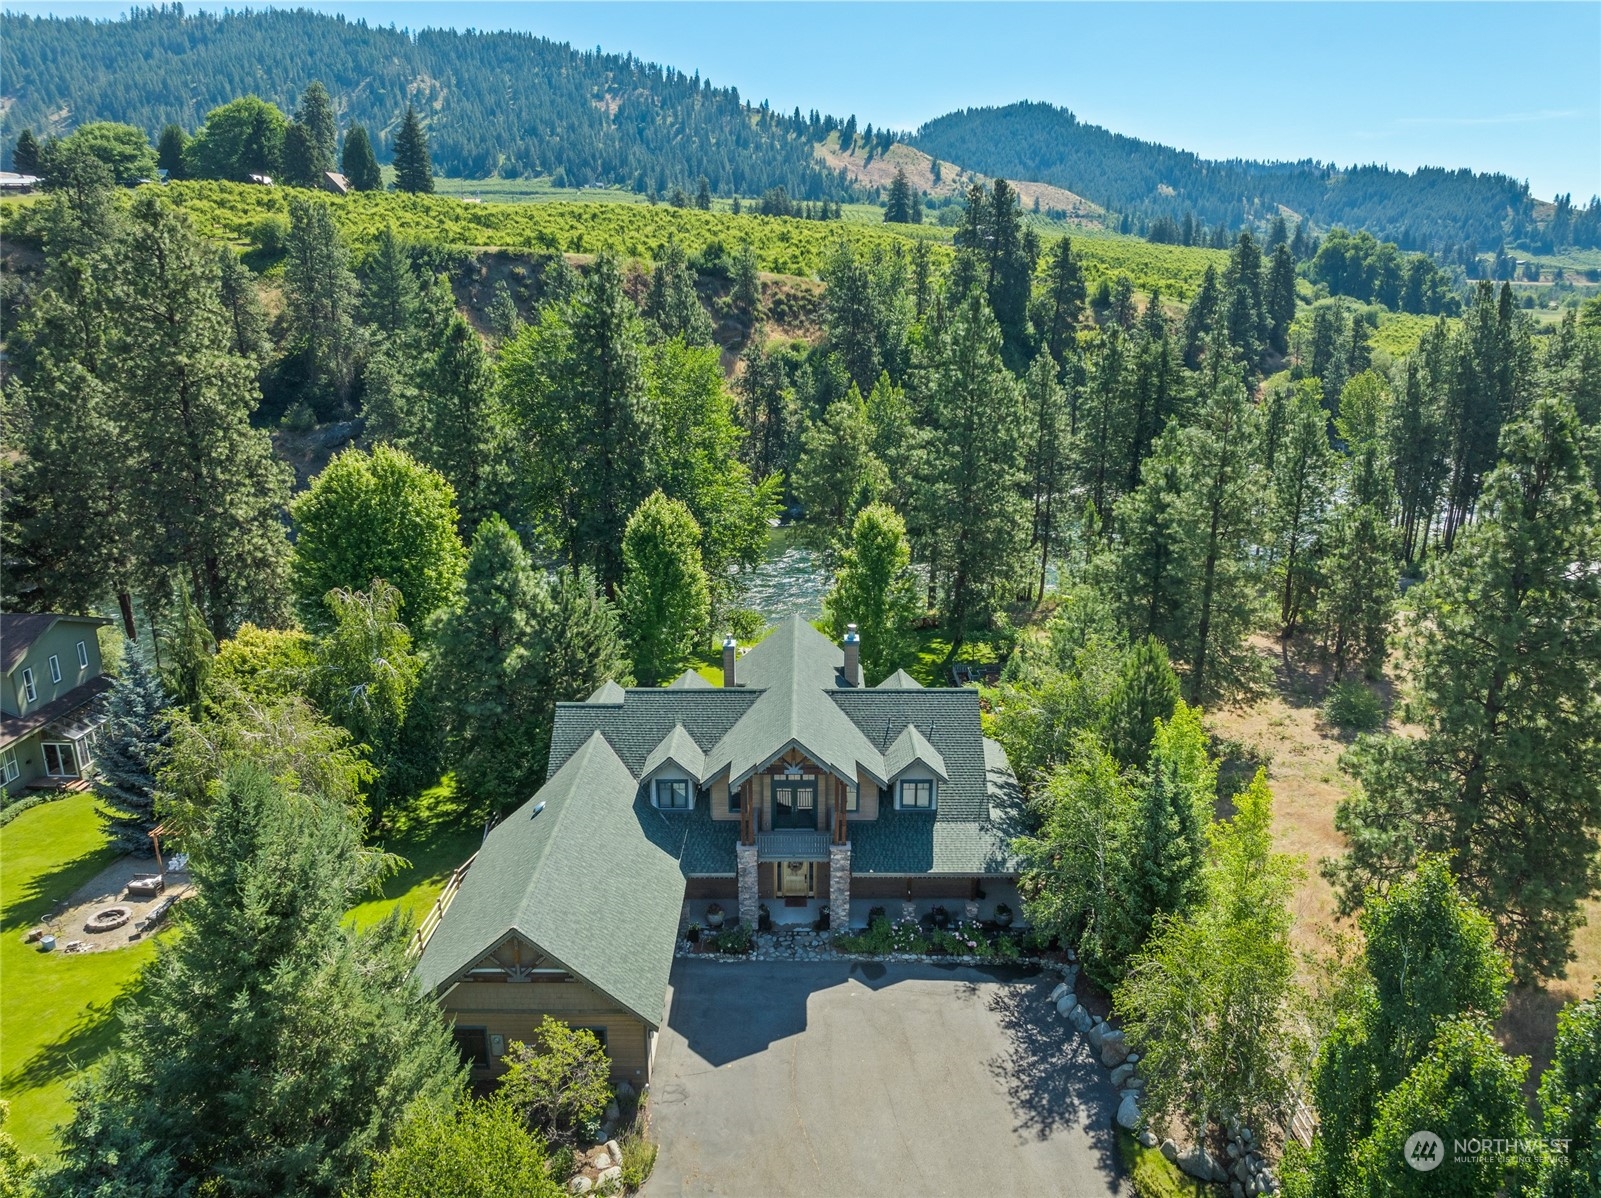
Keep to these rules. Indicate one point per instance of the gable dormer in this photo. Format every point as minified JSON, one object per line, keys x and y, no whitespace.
{"x":915,"y":769}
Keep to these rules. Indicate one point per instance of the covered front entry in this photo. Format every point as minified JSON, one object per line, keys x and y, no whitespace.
{"x":796,"y":879}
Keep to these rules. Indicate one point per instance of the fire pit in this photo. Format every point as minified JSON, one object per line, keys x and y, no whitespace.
{"x":107,"y":920}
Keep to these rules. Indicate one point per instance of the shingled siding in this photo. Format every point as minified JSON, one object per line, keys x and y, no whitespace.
{"x":514,"y":1009}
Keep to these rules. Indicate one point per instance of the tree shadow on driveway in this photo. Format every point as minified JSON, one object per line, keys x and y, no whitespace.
{"x":1048,"y":1073}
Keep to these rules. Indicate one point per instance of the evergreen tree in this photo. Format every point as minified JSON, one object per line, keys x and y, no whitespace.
{"x":25,"y":154}
{"x":583,"y":639}
{"x":210,"y":493}
{"x":971,"y":482}
{"x":1300,"y":487}
{"x":1147,"y":691}
{"x":357,"y":162}
{"x":504,"y":318}
{"x":414,"y":172}
{"x":321,"y":302}
{"x":767,"y":410}
{"x":464,"y":430}
{"x":1146,"y":566}
{"x":1280,"y":299}
{"x":1220,"y":509}
{"x":169,"y":150}
{"x":379,"y":516}
{"x":128,"y":753}
{"x":837,"y":473}
{"x":1201,"y":317}
{"x":1415,"y":434}
{"x":671,"y":304}
{"x":316,"y":116}
{"x":746,"y":293}
{"x":241,"y":302}
{"x":664,"y":599}
{"x":876,"y":590}
{"x":299,"y":157}
{"x":1506,"y":656}
{"x":1049,"y":455}
{"x":853,"y":316}
{"x":703,"y":195}
{"x":190,"y":649}
{"x":1101,"y":447}
{"x":1167,"y":849}
{"x":272,"y":1048}
{"x":1357,"y":601}
{"x":488,"y":669}
{"x":904,"y":207}
{"x":576,"y":385}
{"x":390,"y":294}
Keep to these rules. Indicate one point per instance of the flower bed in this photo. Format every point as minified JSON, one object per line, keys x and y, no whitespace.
{"x":963,"y":938}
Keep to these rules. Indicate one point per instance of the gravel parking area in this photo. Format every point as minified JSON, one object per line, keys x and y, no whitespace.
{"x":842,"y":1078}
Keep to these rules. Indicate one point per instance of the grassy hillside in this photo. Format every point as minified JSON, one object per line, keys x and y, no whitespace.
{"x":953,"y":180}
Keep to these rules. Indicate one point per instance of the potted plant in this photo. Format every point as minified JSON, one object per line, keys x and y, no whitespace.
{"x":942,"y":917}
{"x":714,"y":915}
{"x":764,"y":918}
{"x":1003,"y":915}
{"x":693,"y":934}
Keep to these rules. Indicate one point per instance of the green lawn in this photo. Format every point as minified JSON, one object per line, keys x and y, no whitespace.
{"x":433,"y":836}
{"x":57,"y":1013}
{"x":1154,"y":1175}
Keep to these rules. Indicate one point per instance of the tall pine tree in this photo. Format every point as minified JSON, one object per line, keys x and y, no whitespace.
{"x":128,"y":753}
{"x":414,"y":171}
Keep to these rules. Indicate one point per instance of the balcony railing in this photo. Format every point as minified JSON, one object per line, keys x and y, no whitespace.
{"x":792,"y":844}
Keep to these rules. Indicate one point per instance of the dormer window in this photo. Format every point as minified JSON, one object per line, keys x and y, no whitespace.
{"x":28,"y":690}
{"x":916,"y":794}
{"x":672,"y":794}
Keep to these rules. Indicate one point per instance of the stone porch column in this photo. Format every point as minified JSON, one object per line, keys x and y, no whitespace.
{"x":839,"y":887}
{"x":745,"y":861}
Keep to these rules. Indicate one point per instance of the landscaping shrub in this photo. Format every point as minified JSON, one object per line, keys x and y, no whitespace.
{"x":560,"y":1083}
{"x":734,"y":941}
{"x":639,"y":1158}
{"x":1354,"y":707}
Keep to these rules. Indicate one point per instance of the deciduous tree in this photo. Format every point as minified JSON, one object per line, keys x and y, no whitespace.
{"x":665,"y":599}
{"x":876,"y":590}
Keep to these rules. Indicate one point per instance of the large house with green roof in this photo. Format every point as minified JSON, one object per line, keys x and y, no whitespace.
{"x":791,"y":786}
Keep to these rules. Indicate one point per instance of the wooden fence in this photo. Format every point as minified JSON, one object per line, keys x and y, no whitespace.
{"x":419,"y":939}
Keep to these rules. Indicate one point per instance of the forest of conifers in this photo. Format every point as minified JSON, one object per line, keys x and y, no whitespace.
{"x":511,"y":104}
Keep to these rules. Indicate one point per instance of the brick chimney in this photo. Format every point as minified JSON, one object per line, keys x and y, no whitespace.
{"x":853,"y":656}
{"x":730,"y":656}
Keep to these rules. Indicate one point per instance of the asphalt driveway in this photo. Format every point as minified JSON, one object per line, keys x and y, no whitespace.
{"x":837,"y":1079}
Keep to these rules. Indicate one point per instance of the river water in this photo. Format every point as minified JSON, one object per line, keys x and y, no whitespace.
{"x":790,"y":580}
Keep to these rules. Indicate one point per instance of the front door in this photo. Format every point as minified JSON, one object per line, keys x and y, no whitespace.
{"x":795,"y":879}
{"x":794,"y":803}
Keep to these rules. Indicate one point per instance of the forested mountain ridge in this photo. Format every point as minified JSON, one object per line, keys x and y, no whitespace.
{"x":1429,"y":209}
{"x":494,"y":102}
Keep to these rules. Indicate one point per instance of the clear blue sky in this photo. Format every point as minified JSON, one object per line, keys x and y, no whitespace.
{"x":1504,"y":87}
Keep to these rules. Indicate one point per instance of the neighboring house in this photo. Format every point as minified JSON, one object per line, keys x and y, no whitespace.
{"x":335,"y":182}
{"x":48,"y":711}
{"x":790,"y":782}
{"x":13,"y":183}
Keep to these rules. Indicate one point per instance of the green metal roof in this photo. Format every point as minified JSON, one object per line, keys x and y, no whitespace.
{"x":586,"y":872}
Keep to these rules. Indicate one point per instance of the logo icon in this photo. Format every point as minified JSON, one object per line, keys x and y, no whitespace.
{"x":1424,"y":1151}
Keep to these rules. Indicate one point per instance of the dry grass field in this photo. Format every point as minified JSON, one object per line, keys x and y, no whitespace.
{"x":1283,"y":729}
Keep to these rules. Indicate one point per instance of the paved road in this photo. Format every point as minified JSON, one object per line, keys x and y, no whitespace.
{"x":835,"y":1079}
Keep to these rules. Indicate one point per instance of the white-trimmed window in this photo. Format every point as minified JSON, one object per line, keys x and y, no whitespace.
{"x":915,"y":794}
{"x":83,"y":656}
{"x":29,"y":691}
{"x":8,"y":765}
{"x":60,"y":759}
{"x":853,"y":798}
{"x":55,"y":668}
{"x":673,"y":794}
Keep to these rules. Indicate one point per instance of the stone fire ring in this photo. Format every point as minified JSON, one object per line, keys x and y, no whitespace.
{"x":107,"y":920}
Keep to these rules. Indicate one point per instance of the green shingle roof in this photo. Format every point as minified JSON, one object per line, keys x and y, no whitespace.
{"x":679,"y":747}
{"x":584,"y":871}
{"x":912,"y":746}
{"x":792,"y":693}
{"x":900,"y":680}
